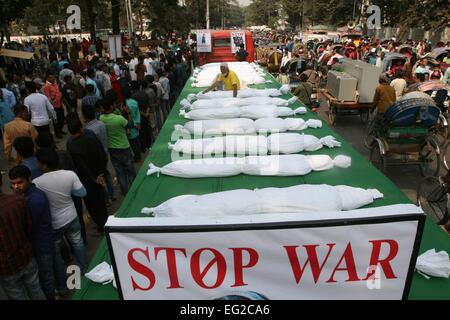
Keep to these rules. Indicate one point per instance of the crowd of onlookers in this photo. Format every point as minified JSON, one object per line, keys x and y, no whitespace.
{"x":102,"y":111}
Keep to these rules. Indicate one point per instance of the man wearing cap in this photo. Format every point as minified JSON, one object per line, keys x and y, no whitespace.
{"x":228,"y":78}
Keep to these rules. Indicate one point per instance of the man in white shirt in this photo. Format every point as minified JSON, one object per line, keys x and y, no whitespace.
{"x":40,"y":108}
{"x":165,"y":85}
{"x":148,"y":64}
{"x":285,"y":59}
{"x":102,"y":77}
{"x":59,"y":186}
{"x":380,"y":59}
{"x":131,"y":66}
{"x":399,"y":84}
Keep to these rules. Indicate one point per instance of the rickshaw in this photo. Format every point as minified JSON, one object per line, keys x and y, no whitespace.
{"x":406,"y":49}
{"x":318,"y":45}
{"x":392,"y":62}
{"x":274,"y":61}
{"x":432,"y":63}
{"x":404,"y":135}
{"x":294,"y":68}
{"x":437,"y":56}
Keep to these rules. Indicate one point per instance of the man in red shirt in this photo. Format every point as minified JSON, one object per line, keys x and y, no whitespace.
{"x":85,"y":47}
{"x":51,"y":90}
{"x":18,"y":268}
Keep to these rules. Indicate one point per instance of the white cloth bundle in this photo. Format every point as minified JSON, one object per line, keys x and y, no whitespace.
{"x":287,"y":143}
{"x":272,"y":125}
{"x":432,"y":263}
{"x":214,"y":127}
{"x":102,"y":273}
{"x":243,"y":93}
{"x":297,"y":199}
{"x":249,"y":112}
{"x":231,"y":145}
{"x":274,"y":165}
{"x":246,"y":73}
{"x":280,"y":143}
{"x":246,"y":126}
{"x":235,"y":102}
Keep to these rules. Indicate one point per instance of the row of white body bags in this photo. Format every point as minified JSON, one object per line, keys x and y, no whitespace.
{"x":235,"y":102}
{"x":273,"y":165}
{"x":297,"y":199}
{"x":249,"y":112}
{"x":279,"y":143}
{"x":243,"y":93}
{"x":246,"y":126}
{"x":246,"y":73}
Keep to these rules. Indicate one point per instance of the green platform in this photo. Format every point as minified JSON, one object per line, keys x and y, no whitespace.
{"x":152,"y":191}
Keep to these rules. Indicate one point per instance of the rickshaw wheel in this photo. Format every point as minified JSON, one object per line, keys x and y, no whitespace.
{"x":369,"y":135}
{"x":432,"y":197}
{"x":332,"y":113}
{"x":429,"y":158}
{"x":376,"y":157}
{"x":364,"y":115}
{"x":445,"y":157}
{"x":441,"y":132}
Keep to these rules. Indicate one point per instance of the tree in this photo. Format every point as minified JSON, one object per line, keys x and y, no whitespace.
{"x":235,"y":16}
{"x":430,"y":14}
{"x":294,"y":10}
{"x":115,"y":10}
{"x":262,"y":12}
{"x":89,"y":8}
{"x":11,"y":10}
{"x":44,"y":15}
{"x":173,"y":19}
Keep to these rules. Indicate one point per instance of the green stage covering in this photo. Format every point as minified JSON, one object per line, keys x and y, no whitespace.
{"x":150,"y":191}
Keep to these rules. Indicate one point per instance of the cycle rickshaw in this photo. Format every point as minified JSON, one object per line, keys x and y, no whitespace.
{"x":403,"y":135}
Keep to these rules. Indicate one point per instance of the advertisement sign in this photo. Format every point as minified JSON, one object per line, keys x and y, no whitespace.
{"x":115,"y":47}
{"x":359,"y":254}
{"x":204,"y":41}
{"x":237,"y":38}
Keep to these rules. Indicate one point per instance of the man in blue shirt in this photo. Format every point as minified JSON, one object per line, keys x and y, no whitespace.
{"x":8,"y":96}
{"x":43,"y":237}
{"x":24,"y":147}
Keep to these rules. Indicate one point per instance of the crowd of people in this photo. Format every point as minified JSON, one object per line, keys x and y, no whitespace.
{"x":101,"y":110}
{"x":406,"y":74}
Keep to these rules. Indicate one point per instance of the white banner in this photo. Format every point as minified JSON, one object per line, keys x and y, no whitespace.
{"x":204,"y":41}
{"x":268,"y":257}
{"x":237,"y":38}
{"x":115,"y":47}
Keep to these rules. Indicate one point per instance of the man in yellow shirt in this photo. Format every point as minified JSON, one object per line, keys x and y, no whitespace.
{"x":19,"y":127}
{"x":228,"y":78}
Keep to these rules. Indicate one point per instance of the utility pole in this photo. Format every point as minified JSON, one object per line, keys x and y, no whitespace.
{"x":128,"y":17}
{"x":207,"y":14}
{"x":131,"y":15}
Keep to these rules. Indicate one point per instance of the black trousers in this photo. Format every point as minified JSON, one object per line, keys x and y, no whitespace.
{"x":60,"y":120}
{"x":145,"y":134}
{"x":95,"y":203}
{"x":136,"y":147}
{"x":43,"y":128}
